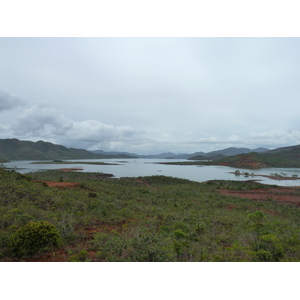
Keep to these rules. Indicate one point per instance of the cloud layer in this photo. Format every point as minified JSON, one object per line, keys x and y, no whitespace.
{"x":151,"y":95}
{"x":8,"y":101}
{"x":50,"y":124}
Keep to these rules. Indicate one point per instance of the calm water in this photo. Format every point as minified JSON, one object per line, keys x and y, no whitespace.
{"x":147,"y":167}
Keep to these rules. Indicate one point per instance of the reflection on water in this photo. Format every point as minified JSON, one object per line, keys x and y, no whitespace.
{"x":148,"y":167}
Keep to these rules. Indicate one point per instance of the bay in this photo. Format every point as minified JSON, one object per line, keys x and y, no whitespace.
{"x":149,"y":167}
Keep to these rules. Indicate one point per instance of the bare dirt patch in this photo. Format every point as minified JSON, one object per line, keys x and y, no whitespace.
{"x":59,"y":255}
{"x":59,"y":184}
{"x":280,"y":195}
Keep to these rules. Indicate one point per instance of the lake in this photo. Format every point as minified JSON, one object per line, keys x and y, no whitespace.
{"x":148,"y":167}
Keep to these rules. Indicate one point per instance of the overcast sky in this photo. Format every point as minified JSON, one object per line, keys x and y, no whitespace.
{"x":151,"y":95}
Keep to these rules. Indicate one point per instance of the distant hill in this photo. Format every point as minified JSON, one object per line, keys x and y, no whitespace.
{"x":214,"y":155}
{"x":194,"y":156}
{"x":161,"y":155}
{"x":119,"y":154}
{"x":286,"y":157}
{"x":14,"y":149}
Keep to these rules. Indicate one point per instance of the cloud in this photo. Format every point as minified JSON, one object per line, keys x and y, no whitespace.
{"x":270,"y":139}
{"x":9,"y":101}
{"x":50,"y":124}
{"x":276,"y":138}
{"x":38,"y":121}
{"x":233,"y":139}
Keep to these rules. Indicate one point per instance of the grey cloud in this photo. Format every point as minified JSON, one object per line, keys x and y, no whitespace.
{"x":8,"y":101}
{"x":234,"y":139}
{"x":276,"y":138}
{"x":39,"y":121}
{"x":49,"y":123}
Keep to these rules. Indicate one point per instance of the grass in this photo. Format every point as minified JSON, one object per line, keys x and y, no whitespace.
{"x":155,"y":218}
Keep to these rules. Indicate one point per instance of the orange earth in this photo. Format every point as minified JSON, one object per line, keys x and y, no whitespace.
{"x":285,"y":195}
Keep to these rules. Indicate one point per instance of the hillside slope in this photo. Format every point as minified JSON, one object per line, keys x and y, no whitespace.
{"x":287,"y":157}
{"x":14,"y":149}
{"x":214,"y":155}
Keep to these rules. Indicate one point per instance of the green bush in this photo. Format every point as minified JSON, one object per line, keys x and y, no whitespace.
{"x":82,"y":256}
{"x":263,"y":256}
{"x":257,"y":217}
{"x":273,"y":245}
{"x":34,"y":237}
{"x":182,"y":226}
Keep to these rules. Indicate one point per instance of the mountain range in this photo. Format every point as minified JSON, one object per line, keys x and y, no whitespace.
{"x":194,"y":156}
{"x":14,"y":149}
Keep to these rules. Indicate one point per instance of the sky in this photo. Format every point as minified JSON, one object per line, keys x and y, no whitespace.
{"x":150,"y":95}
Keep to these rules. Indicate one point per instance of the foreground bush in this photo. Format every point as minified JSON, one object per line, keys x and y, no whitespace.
{"x":34,"y":237}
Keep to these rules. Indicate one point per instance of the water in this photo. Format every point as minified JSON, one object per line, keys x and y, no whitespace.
{"x":148,"y":167}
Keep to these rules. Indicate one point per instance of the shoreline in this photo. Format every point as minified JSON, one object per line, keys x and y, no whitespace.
{"x":268,"y":176}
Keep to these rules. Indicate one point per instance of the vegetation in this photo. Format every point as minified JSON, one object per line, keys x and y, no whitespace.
{"x":154,"y":218}
{"x":214,"y":155}
{"x":34,"y":237}
{"x":14,"y":149}
{"x":288,"y":157}
{"x":262,"y":160}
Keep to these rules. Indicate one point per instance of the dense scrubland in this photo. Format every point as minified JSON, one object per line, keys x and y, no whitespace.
{"x":144,"y":219}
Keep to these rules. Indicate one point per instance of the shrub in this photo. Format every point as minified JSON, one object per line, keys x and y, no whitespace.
{"x":147,"y":248}
{"x":256,"y":217}
{"x":182,"y":226}
{"x":82,"y":256}
{"x":34,"y":237}
{"x":273,"y":245}
{"x":263,"y":256}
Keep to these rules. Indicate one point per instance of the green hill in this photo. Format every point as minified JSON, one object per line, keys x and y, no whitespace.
{"x":214,"y":155}
{"x":14,"y":149}
{"x":287,"y":157}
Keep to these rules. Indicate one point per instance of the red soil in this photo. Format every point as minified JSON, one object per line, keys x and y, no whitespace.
{"x":87,"y":232}
{"x":59,"y":184}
